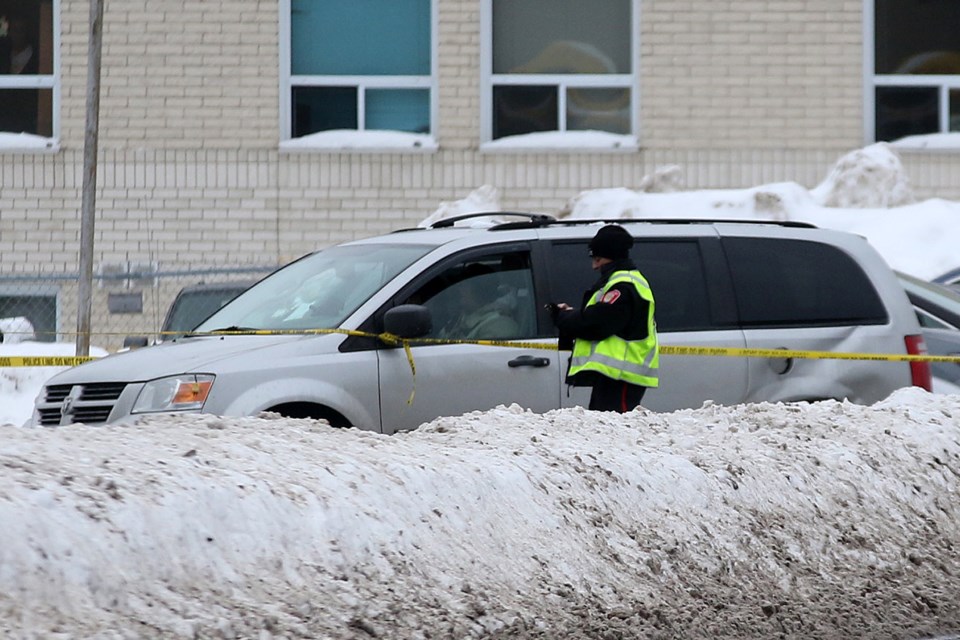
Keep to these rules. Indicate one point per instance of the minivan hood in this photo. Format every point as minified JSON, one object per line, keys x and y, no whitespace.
{"x":203,"y":354}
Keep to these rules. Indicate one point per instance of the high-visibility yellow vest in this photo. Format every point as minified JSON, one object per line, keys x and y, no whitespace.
{"x":633,"y":361}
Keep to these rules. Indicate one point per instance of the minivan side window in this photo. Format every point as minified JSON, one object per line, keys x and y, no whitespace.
{"x":673,"y":268}
{"x":789,"y":283}
{"x":481,"y":298}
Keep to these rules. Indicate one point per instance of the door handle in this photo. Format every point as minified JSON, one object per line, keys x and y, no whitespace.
{"x":529,"y":361}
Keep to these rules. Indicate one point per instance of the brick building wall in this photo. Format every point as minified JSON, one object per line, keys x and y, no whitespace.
{"x":779,"y":74}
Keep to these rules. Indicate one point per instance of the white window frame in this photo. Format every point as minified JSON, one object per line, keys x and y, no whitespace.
{"x":943,"y":83}
{"x":21,"y":143}
{"x":563,"y":82}
{"x":362,"y":84}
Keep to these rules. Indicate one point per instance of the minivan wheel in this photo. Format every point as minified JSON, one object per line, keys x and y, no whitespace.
{"x":313,"y":411}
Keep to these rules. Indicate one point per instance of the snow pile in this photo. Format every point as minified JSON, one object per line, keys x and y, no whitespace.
{"x":663,"y":180}
{"x":825,"y":520}
{"x":866,"y":192}
{"x":480,"y":200}
{"x":868,"y":178}
{"x":16,"y":329}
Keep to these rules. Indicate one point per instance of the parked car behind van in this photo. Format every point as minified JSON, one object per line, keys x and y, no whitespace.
{"x":192,"y":305}
{"x":716,"y":284}
{"x":938,"y":311}
{"x":950,"y":278}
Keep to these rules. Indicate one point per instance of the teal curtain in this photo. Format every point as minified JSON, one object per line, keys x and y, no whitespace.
{"x":360,"y":37}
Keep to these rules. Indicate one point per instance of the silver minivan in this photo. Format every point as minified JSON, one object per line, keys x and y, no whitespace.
{"x":303,"y":342}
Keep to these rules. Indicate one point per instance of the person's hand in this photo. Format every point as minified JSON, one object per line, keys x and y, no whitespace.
{"x":556,"y":307}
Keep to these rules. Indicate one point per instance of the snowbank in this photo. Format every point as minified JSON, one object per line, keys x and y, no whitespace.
{"x":828,"y":520}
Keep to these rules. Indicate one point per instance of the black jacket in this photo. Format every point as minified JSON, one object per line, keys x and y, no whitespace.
{"x":623,"y":314}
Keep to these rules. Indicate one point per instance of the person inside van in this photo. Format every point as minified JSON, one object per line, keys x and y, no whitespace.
{"x":484,"y":308}
{"x":615,"y":346}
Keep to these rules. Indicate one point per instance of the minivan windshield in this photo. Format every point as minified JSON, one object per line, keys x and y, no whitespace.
{"x":318,"y":291}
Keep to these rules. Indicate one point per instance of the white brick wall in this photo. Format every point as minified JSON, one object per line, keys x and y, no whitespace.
{"x":768,"y":75}
{"x":197,"y":74}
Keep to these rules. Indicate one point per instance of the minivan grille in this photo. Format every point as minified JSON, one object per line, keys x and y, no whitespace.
{"x":89,"y":404}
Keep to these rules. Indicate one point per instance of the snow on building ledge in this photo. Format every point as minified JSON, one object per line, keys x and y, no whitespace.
{"x":930,"y":142}
{"x":353,"y":140}
{"x":570,"y":141}
{"x":26,"y":142}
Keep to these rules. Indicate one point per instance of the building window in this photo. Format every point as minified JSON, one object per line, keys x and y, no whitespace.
{"x":27,"y":63}
{"x":559,"y":65}
{"x":359,"y":65}
{"x":916,"y":68}
{"x":28,"y":312}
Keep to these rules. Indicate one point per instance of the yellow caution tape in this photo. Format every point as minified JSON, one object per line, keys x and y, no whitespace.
{"x":796,"y":353}
{"x":43,"y":361}
{"x":406,"y":343}
{"x":671,"y":350}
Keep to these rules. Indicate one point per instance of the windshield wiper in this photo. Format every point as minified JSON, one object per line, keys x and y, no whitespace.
{"x":230,"y":330}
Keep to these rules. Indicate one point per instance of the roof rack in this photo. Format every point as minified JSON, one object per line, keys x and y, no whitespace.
{"x":532,"y":219}
{"x":540,"y":220}
{"x":779,"y":223}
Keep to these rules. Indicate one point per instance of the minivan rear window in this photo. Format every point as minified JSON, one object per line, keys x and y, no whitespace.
{"x":788,"y":283}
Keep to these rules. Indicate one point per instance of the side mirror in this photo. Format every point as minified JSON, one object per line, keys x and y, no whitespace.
{"x":135,"y":342}
{"x":408,"y":321}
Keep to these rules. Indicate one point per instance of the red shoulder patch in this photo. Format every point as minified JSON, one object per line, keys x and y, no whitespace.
{"x":610,"y":296}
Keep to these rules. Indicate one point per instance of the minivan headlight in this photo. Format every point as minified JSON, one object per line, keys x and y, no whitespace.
{"x":176,"y":393}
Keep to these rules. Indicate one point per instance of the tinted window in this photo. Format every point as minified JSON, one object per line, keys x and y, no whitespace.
{"x":674,"y":269}
{"x":916,"y":66}
{"x":907,"y":111}
{"x":796,"y":282}
{"x":193,"y":307}
{"x":27,"y":56}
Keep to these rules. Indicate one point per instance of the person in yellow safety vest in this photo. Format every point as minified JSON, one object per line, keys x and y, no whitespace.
{"x":615,"y":347}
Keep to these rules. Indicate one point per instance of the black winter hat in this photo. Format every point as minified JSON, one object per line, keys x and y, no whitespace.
{"x":611,"y":241}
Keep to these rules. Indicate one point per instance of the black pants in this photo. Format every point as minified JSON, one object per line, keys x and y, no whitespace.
{"x":615,"y":395}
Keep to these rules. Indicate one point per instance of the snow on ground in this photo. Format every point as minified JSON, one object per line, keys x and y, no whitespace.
{"x":825,"y":521}
{"x":20,"y":385}
{"x":828,"y":520}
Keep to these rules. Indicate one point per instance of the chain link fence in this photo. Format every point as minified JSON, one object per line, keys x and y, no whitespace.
{"x":130,"y":304}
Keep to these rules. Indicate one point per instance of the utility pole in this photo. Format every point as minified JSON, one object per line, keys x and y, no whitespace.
{"x":88,"y":205}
